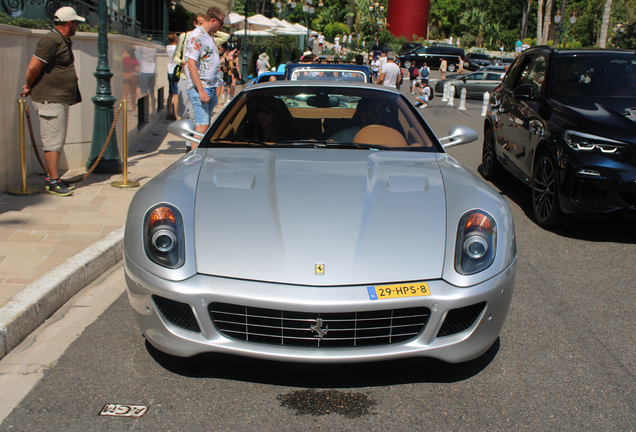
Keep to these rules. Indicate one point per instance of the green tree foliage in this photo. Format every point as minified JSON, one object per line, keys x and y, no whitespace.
{"x":251,"y":68}
{"x":333,"y":29}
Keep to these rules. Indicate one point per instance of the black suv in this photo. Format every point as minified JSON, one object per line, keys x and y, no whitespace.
{"x":433,"y":57}
{"x":475,"y":61}
{"x":564,"y":122}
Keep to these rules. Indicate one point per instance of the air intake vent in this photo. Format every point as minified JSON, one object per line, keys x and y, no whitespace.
{"x":311,"y":329}
{"x":458,"y":320}
{"x":177,"y":313}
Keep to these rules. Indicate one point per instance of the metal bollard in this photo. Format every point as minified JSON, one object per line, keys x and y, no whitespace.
{"x":451,"y":95}
{"x":125,"y":183}
{"x":445,"y":94}
{"x":484,"y":109}
{"x":462,"y":100}
{"x":23,"y":190}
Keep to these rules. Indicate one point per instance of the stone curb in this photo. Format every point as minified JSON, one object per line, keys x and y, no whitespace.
{"x":34,"y":304}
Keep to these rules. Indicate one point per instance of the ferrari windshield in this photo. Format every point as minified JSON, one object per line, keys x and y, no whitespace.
{"x":360,"y":117}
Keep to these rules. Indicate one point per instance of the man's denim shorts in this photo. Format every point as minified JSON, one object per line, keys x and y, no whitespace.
{"x":202,"y":112}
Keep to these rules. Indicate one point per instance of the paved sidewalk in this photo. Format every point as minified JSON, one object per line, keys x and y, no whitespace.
{"x":51,"y":247}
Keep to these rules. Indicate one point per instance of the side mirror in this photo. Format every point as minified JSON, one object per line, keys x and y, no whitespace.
{"x":459,"y":135}
{"x":185,"y":129}
{"x":524,"y":91}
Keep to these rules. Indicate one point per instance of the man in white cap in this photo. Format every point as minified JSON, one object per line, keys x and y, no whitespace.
{"x":52,"y":83}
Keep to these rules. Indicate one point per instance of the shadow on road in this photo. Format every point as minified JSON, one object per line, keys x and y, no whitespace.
{"x":386,"y":373}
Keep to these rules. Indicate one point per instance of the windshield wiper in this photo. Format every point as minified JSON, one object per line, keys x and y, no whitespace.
{"x":251,"y":143}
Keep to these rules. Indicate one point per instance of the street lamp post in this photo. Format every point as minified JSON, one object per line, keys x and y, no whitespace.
{"x":376,"y":9}
{"x":309,"y":9}
{"x":618,"y":29}
{"x":104,"y":101}
{"x":559,"y":23}
{"x":290,"y":4}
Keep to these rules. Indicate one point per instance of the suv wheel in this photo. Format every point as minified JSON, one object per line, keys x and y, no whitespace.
{"x":545,"y":192}
{"x":490,"y":166}
{"x":451,"y":67}
{"x":407,"y":63}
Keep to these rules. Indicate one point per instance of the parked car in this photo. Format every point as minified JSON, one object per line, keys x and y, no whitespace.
{"x":503,"y":61}
{"x":409,"y":46}
{"x":266,"y":77}
{"x":475,"y":61}
{"x":564,"y":122}
{"x":476,"y":83}
{"x":433,"y":56}
{"x":289,"y":242}
{"x":328,"y":72}
{"x":439,"y":85}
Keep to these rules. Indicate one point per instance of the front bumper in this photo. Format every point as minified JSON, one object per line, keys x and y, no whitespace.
{"x":598,"y":184}
{"x":199,"y":291}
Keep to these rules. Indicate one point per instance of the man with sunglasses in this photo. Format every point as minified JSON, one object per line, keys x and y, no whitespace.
{"x":52,"y":83}
{"x":203,"y":67}
{"x":368,"y":112}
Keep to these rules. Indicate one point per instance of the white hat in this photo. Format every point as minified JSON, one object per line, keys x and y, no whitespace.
{"x":263,"y":56}
{"x":66,"y":14}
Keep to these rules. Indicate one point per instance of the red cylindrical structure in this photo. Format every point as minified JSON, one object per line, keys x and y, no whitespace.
{"x":408,"y":17}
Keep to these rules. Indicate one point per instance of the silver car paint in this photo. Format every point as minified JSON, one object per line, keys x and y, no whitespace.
{"x":278,"y":212}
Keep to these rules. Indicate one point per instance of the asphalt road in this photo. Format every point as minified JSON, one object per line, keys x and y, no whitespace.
{"x":566,"y":359}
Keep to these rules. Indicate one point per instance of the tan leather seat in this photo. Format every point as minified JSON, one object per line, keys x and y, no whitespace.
{"x":380,"y":135}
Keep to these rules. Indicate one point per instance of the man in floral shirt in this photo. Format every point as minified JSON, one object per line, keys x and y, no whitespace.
{"x":203,"y":67}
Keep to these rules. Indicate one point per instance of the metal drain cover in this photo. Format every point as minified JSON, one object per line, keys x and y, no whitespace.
{"x":121,"y":410}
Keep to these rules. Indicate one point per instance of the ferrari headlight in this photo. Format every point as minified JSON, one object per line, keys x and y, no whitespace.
{"x":476,"y":242}
{"x":591,"y":143}
{"x":163,"y":236}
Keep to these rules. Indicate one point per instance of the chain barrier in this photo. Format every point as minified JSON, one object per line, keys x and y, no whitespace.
{"x":37,"y":153}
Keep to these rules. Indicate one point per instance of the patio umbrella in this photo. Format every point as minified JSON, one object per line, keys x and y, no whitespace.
{"x":233,"y":19}
{"x":254,"y":33}
{"x":287,"y":29}
{"x":258,"y":22}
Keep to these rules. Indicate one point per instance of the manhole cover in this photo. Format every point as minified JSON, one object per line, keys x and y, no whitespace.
{"x":321,"y":402}
{"x":121,"y":410}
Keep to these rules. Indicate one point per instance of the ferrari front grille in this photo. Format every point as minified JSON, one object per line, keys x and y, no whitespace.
{"x":324,"y":330}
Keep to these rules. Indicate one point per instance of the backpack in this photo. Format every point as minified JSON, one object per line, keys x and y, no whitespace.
{"x":424,"y":72}
{"x":416,"y":72}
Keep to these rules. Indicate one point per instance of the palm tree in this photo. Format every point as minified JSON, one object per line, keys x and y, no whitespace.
{"x":605,"y":25}
{"x":540,"y":23}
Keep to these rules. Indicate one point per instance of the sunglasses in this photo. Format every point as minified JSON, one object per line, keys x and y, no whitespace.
{"x":376,"y":111}
{"x":264,"y":110}
{"x":219,"y":20}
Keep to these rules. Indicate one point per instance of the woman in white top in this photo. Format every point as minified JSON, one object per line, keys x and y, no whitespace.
{"x":262,"y":64}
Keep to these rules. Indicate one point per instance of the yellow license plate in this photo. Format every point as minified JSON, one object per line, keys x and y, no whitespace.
{"x":382,"y":292}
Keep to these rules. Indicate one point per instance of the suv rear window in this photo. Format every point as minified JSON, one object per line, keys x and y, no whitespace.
{"x":480,"y":56}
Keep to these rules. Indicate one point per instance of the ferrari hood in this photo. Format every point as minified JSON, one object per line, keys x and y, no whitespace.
{"x":320,"y":217}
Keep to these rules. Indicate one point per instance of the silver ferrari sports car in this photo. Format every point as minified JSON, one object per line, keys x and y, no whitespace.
{"x":320,"y":222}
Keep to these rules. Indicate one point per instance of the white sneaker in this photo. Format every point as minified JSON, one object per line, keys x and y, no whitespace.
{"x":423,"y":105}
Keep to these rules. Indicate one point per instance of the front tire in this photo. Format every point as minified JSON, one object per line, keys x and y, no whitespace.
{"x":407,"y":63}
{"x":451,"y":67}
{"x":490,"y":166}
{"x":545,"y":192}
